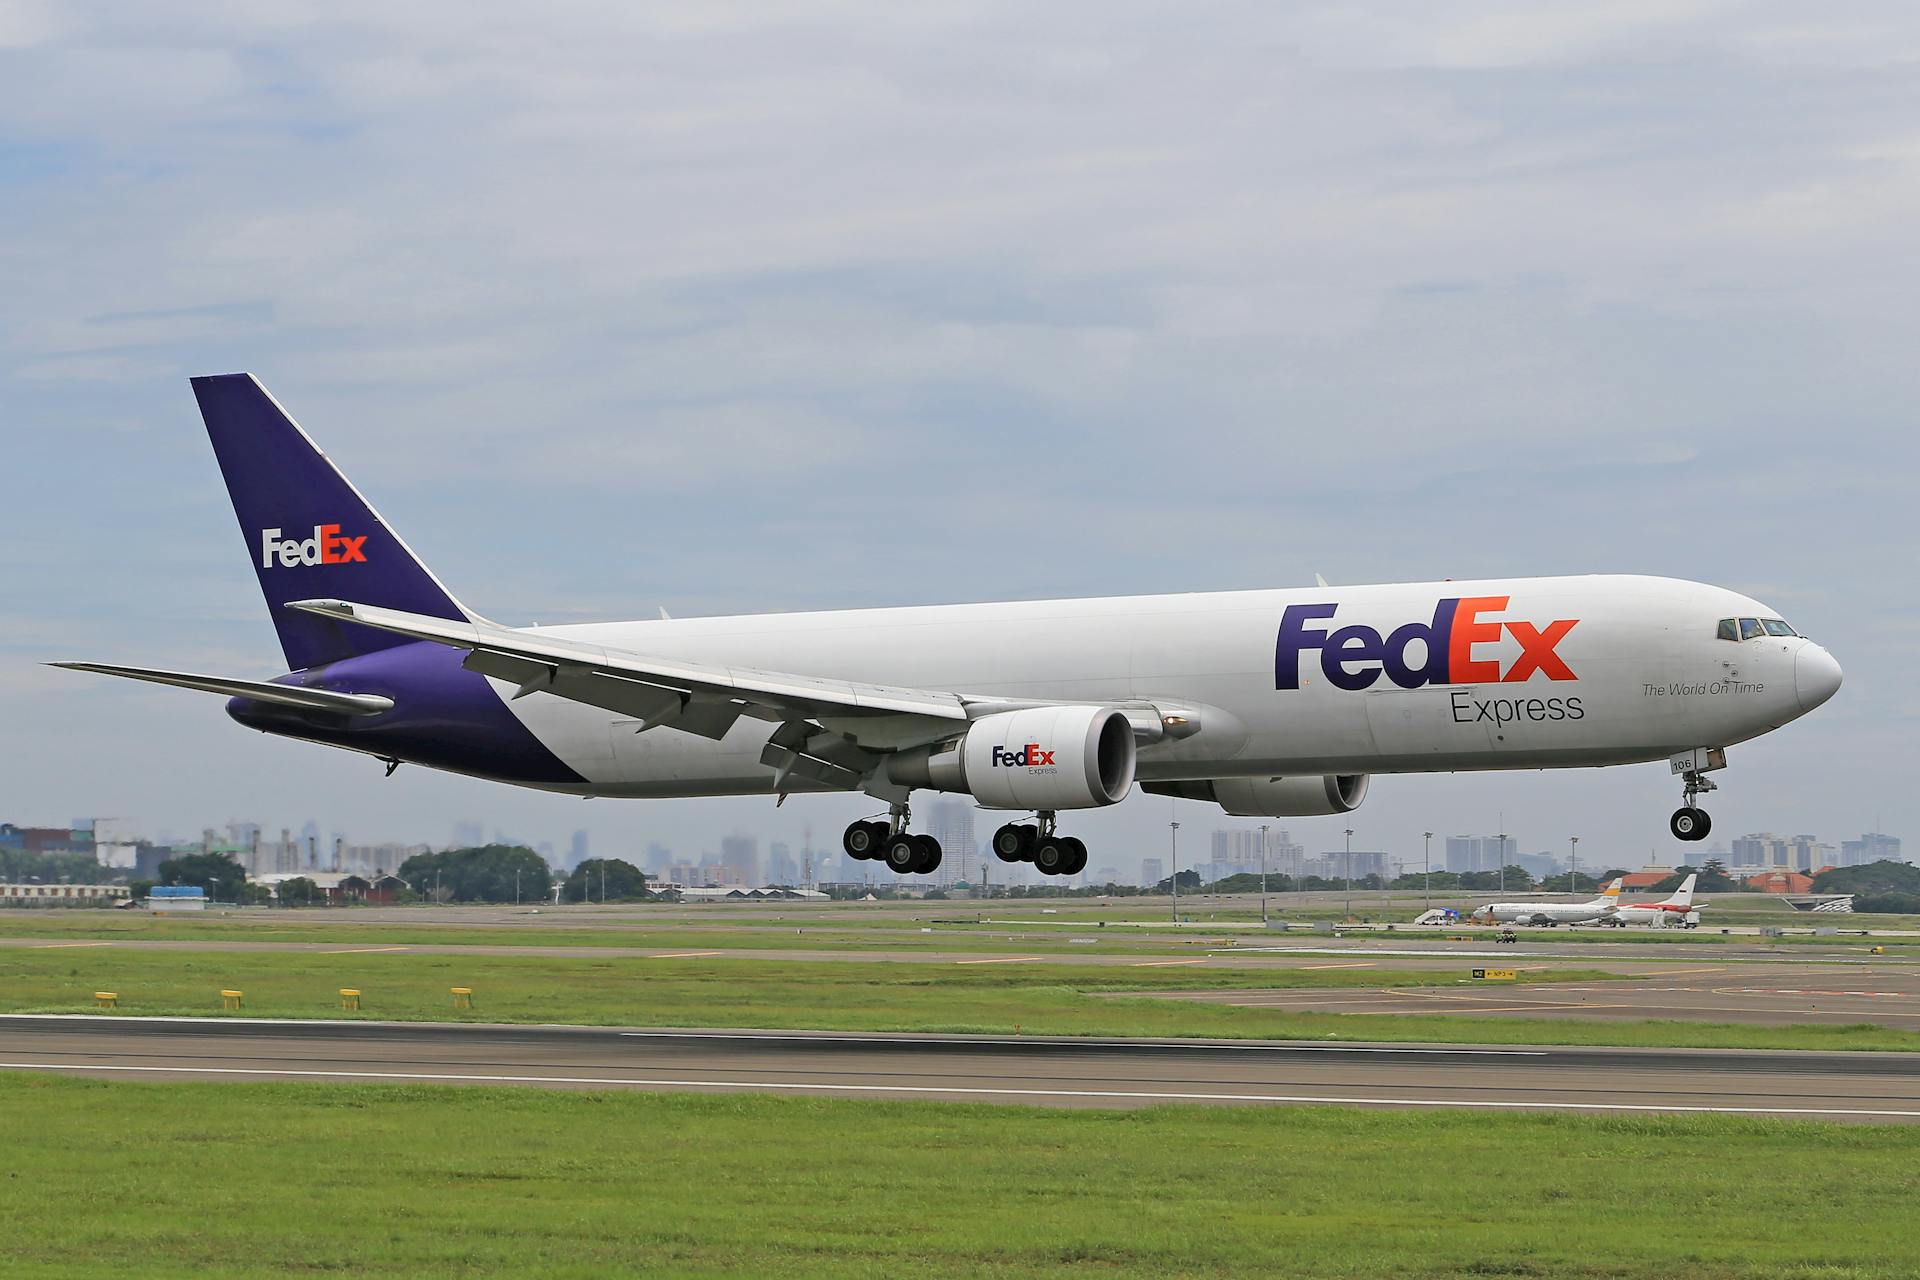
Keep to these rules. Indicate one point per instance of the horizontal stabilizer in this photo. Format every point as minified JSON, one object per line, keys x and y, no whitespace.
{"x":286,"y":695}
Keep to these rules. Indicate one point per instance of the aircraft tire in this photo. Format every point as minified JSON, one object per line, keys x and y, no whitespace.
{"x":1689,"y":823}
{"x":1013,"y":843}
{"x":903,"y":853}
{"x":1050,"y":857}
{"x":929,"y":855}
{"x":1076,"y":856}
{"x":863,"y":841}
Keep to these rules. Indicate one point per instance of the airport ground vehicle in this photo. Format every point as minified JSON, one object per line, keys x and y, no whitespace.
{"x":1267,"y":703}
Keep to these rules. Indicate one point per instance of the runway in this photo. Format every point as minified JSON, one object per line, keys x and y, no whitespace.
{"x":1066,"y":1072}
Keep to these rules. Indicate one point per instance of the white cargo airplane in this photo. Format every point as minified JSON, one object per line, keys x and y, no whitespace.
{"x":1267,"y":703}
{"x":1677,"y":909}
{"x":1598,"y":911}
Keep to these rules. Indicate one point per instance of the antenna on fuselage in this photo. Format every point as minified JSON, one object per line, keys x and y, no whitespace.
{"x":1320,"y":581}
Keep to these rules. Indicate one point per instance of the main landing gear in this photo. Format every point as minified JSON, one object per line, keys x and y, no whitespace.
{"x":1050,"y":853}
{"x":905,"y":852}
{"x":1689,"y":821}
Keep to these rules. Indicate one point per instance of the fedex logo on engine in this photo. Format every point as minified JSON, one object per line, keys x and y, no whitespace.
{"x":1027,"y":757}
{"x":1354,"y":657}
{"x":326,"y":546}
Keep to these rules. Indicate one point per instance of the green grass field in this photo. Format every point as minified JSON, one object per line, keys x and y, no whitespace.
{"x":935,"y":927}
{"x":229,"y":1180}
{"x":818,"y":995}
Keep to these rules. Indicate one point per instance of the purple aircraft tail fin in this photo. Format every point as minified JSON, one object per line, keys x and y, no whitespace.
{"x":308,"y":531}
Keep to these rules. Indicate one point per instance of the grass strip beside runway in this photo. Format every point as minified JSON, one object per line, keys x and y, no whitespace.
{"x":218,"y":1180}
{"x":820,"y":995}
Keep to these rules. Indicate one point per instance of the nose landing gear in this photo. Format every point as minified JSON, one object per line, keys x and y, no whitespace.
{"x":1689,"y":821}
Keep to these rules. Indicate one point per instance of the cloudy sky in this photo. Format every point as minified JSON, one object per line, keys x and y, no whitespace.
{"x":783,"y":305}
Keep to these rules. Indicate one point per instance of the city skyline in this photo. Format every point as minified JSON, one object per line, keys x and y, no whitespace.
{"x":735,"y":856}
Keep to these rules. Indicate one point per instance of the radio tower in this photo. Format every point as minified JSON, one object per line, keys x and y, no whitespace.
{"x":806,"y":856}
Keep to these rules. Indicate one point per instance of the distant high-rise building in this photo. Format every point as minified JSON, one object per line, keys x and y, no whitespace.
{"x":1480,"y":853}
{"x":1874,"y":846}
{"x":1152,"y":871}
{"x":659,"y":857}
{"x":741,"y":853}
{"x":781,"y":868}
{"x":468,"y":834}
{"x":577,"y":849}
{"x":951,"y":823}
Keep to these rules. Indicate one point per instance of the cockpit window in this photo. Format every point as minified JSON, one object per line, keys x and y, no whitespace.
{"x":1729,"y":629}
{"x":1775,"y":627}
{"x":1750,"y":629}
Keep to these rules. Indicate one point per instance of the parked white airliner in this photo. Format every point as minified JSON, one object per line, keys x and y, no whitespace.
{"x":1598,"y":911}
{"x":1267,"y":703}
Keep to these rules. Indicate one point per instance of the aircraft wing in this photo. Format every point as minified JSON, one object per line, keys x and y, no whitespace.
{"x":702,"y":698}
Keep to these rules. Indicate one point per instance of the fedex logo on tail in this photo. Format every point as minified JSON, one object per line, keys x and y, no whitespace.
{"x":1029,"y":756}
{"x":1355,"y":657}
{"x":326,"y":546}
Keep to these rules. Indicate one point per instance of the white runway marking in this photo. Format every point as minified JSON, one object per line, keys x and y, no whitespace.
{"x":758,"y":1086}
{"x":1026,"y":1042}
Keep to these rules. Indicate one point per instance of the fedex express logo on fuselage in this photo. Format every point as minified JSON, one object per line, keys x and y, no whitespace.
{"x":1355,"y":657}
{"x":326,"y":546}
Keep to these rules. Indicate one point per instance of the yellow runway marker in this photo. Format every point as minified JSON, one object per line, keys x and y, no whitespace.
{"x":363,"y":951}
{"x":1154,"y":964}
{"x":48,"y":946}
{"x":1001,"y":960}
{"x":1359,"y":964}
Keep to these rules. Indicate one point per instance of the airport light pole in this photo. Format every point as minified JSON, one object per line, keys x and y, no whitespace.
{"x":1263,"y":873}
{"x":1502,"y":838}
{"x":1573,"y":852}
{"x":1349,"y":861}
{"x":1426,"y":860}
{"x":1174,"y":845}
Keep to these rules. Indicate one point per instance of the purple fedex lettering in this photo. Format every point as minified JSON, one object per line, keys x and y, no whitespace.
{"x":1353,"y":657}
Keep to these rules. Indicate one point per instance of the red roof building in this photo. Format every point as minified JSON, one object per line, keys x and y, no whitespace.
{"x":1782,"y":882}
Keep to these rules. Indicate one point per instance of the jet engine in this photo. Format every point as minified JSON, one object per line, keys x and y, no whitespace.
{"x":1309,"y":797}
{"x":1038,"y":758}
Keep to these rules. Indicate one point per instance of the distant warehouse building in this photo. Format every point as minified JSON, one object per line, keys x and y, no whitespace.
{"x":62,"y":895}
{"x":176,"y":897}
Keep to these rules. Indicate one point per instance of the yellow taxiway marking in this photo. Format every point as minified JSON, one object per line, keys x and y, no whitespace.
{"x":1000,"y":960}
{"x":362,"y":951}
{"x":683,"y":955}
{"x":1151,"y":964}
{"x":1359,"y":964}
{"x":48,"y":946}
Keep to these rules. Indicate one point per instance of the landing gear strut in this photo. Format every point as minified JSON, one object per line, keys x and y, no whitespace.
{"x":1050,"y":853}
{"x":1689,"y":821}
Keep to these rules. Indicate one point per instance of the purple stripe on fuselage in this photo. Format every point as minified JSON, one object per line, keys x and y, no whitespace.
{"x":443,"y":716}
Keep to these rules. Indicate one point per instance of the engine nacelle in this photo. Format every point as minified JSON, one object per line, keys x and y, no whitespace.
{"x":1039,"y":758}
{"x":1309,"y":797}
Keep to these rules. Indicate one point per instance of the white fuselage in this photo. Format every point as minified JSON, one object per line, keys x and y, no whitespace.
{"x":1547,"y":912}
{"x":1596,"y":670}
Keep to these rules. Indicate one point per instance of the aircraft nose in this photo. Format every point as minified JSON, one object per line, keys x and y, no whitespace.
{"x":1816,"y":676}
